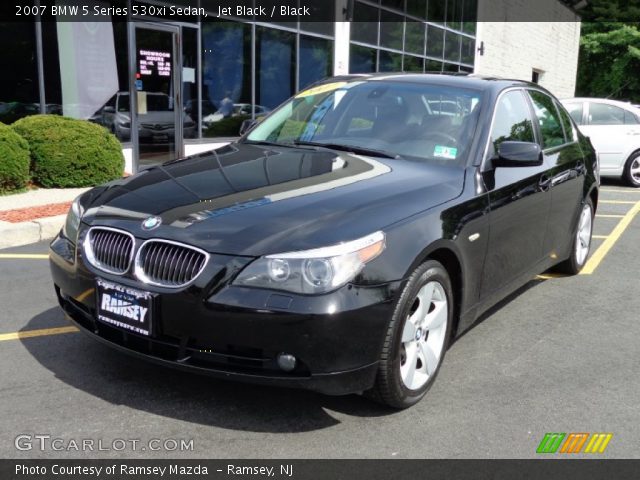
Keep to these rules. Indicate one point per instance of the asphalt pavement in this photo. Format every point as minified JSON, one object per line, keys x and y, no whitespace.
{"x":560,"y":355}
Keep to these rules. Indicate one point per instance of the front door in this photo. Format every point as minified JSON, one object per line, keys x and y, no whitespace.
{"x":157,"y":123}
{"x":519,"y":201}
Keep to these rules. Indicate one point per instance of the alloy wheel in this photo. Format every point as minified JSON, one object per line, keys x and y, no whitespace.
{"x":423,"y":336}
{"x":583,"y":242}
{"x":634,"y":170}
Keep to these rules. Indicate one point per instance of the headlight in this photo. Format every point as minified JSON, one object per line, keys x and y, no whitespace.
{"x":70,"y":228}
{"x":313,"y":271}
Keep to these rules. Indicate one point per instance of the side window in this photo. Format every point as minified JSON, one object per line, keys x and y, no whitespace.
{"x":575,"y":110}
{"x":512,"y":120}
{"x":603,"y":114}
{"x":630,"y":118}
{"x":550,"y":126}
{"x":569,"y":133}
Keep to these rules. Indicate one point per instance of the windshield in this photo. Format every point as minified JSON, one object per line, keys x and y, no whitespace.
{"x":432,"y":123}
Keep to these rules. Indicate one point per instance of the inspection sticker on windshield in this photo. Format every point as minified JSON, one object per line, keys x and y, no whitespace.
{"x":321,"y":89}
{"x":445,"y":152}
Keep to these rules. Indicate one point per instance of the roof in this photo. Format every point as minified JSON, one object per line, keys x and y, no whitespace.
{"x":462,"y":80}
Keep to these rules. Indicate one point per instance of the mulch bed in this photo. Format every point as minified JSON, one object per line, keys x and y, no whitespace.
{"x":31,"y":213}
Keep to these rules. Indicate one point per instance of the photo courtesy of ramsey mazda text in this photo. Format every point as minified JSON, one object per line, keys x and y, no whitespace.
{"x":343,"y":241}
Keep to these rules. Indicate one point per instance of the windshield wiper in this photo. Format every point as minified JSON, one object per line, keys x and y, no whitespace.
{"x":349,"y":148}
{"x":270,"y":144}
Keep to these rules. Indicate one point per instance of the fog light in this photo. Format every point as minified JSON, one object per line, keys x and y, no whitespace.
{"x":286,"y":362}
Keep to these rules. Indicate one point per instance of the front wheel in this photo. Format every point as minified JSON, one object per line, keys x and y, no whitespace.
{"x":416,"y":339}
{"x":581,"y":241}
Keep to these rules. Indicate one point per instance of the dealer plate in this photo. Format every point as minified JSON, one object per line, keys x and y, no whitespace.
{"x":124,"y":307}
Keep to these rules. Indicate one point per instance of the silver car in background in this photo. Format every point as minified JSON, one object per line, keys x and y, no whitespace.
{"x":614,"y":130}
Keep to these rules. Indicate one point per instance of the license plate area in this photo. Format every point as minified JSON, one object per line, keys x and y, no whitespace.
{"x":124,"y":307}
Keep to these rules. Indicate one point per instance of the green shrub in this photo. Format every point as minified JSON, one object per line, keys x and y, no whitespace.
{"x":70,"y":153}
{"x":14,"y":160}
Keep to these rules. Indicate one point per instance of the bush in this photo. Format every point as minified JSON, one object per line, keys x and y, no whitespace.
{"x":14,"y":160}
{"x":70,"y":153}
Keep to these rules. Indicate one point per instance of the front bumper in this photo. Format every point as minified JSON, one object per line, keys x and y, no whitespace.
{"x":226,"y":331}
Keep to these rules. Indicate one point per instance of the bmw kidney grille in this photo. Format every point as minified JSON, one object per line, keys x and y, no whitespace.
{"x":169,"y":264}
{"x":109,"y":249}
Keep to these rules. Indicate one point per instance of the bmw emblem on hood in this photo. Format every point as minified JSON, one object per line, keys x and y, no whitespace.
{"x":151,"y":223}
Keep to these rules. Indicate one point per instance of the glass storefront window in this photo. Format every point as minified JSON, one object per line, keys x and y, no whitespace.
{"x":417,"y":8}
{"x":390,"y":62}
{"x":226,"y":77}
{"x":316,"y":60}
{"x":19,"y":92}
{"x":391,"y":30}
{"x":435,"y":41}
{"x":452,"y":47}
{"x":413,"y":64}
{"x":275,"y":66}
{"x":365,"y":24}
{"x":86,"y":72}
{"x":362,"y":59}
{"x":414,"y":37}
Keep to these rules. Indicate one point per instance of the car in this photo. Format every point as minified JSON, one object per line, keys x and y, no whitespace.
{"x":614,"y":130}
{"x":342,"y":242}
{"x":238,"y":110}
{"x":156,"y":125}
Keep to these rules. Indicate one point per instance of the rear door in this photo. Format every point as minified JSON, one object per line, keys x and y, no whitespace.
{"x":519,"y":200}
{"x":566,"y":171}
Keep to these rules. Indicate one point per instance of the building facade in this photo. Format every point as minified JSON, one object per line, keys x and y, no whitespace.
{"x":168,"y":87}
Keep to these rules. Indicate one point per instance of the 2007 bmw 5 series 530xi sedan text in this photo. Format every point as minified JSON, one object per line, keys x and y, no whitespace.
{"x":342,"y":242}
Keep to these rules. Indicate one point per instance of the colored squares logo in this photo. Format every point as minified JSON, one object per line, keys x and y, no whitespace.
{"x":574,"y":443}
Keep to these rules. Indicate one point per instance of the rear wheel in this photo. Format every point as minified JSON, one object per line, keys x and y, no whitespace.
{"x":581,"y":241}
{"x":417,"y":338}
{"x":632,"y":170}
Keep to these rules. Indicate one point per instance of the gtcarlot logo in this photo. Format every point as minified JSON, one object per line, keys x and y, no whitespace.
{"x":48,"y":443}
{"x":573,"y":443}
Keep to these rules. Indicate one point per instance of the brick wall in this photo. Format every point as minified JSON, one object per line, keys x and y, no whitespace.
{"x":513,"y":49}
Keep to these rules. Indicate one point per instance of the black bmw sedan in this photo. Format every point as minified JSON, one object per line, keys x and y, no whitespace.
{"x":342,"y":242}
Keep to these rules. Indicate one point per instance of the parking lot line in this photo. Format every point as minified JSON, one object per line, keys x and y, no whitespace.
{"x":25,"y":256}
{"x":609,"y":215}
{"x":619,"y":190}
{"x":43,"y":332}
{"x":618,"y":202}
{"x":610,"y":241}
{"x":600,"y":237}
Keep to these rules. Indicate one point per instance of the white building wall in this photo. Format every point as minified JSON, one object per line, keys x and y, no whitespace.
{"x":513,"y":49}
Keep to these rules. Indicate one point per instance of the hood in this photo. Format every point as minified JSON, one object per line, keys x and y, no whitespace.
{"x":251,"y":200}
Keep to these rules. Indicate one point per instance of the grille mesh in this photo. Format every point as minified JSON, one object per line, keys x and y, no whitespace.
{"x":110,"y":250}
{"x":169,"y":264}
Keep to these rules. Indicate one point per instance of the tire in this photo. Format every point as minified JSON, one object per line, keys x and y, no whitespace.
{"x":395,"y":385}
{"x":632,"y":170}
{"x":582,"y":235}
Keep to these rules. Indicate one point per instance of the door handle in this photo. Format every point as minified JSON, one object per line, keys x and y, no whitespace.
{"x":545,"y":183}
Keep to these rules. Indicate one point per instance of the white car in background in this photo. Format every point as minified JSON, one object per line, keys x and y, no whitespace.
{"x":614,"y":130}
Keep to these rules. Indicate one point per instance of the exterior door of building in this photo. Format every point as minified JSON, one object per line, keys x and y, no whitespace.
{"x":157,"y":117}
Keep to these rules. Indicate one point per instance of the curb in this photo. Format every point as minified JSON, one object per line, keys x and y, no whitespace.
{"x":33,"y":231}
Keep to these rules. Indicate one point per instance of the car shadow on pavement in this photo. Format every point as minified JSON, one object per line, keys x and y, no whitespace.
{"x":120,"y":379}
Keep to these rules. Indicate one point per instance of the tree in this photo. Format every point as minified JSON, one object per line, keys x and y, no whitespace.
{"x":609,"y":60}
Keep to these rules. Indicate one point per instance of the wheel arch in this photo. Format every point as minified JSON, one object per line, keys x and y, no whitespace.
{"x":445,"y":253}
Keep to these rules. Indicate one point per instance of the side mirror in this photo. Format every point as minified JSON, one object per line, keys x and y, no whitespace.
{"x":518,"y":154}
{"x":109,"y":109}
{"x":247,"y":125}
